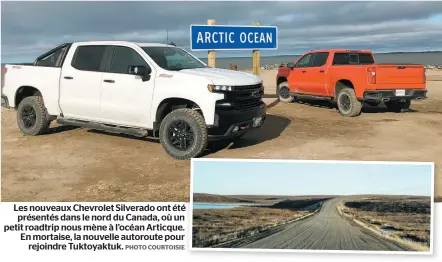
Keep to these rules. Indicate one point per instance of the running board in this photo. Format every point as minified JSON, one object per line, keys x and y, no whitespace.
{"x":312,"y":96}
{"x":105,"y":127}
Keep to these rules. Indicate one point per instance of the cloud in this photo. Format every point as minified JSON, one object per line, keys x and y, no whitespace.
{"x":30,"y":28}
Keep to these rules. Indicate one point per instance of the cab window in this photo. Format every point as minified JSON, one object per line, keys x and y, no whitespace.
{"x":52,"y":59}
{"x":89,"y":58}
{"x":123,"y":58}
{"x":304,"y":61}
{"x":319,"y":59}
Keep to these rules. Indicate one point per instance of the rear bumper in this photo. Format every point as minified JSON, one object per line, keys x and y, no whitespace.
{"x":232,"y":123}
{"x":390,"y":94}
{"x":5,"y":101}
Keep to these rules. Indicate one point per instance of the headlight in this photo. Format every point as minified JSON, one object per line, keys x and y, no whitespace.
{"x":219,"y":88}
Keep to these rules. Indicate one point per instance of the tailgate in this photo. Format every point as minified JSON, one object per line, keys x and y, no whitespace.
{"x":400,"y":74}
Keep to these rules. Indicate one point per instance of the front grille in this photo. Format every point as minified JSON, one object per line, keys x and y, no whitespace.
{"x":252,"y":93}
{"x":247,"y":104}
{"x":248,"y":87}
{"x":245,"y":97}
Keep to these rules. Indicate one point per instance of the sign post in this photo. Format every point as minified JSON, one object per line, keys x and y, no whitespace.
{"x":211,"y":56}
{"x":213,"y":37}
{"x":256,"y":59}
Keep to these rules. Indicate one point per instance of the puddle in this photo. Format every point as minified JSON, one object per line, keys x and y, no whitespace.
{"x":388,"y":229}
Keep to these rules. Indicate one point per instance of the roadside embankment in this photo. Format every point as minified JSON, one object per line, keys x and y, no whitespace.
{"x":231,"y":227}
{"x":405,"y":222}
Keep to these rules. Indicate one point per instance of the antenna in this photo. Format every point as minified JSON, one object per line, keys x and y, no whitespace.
{"x":167,"y":36}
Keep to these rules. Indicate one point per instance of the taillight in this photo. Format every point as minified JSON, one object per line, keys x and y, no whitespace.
{"x":425,"y":75}
{"x":371,"y":75}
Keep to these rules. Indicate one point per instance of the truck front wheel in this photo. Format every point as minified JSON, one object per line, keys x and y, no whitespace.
{"x":183,"y":134}
{"x":398,"y":106}
{"x":32,"y":116}
{"x":348,"y":104}
{"x":283,"y":93}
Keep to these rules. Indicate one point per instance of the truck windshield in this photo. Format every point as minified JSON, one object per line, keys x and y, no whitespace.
{"x":172,"y":58}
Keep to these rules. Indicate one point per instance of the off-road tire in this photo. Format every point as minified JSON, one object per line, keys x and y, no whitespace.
{"x":397,"y":106}
{"x":42,"y":119}
{"x":197,"y":124}
{"x":353,"y":108}
{"x":282,"y":96}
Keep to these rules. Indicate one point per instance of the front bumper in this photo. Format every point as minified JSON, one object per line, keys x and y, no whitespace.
{"x":390,"y":94}
{"x":5,"y":101}
{"x":231,"y":123}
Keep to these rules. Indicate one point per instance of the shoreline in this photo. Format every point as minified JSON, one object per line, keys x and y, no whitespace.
{"x":230,"y":203}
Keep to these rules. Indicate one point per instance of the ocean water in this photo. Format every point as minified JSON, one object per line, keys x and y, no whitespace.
{"x":213,"y":206}
{"x":395,"y":58}
{"x":224,"y":205}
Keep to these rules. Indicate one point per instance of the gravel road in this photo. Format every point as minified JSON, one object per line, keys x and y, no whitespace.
{"x":327,"y":230}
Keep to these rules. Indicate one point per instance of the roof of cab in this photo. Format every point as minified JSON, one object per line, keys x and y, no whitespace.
{"x":341,"y":50}
{"x":121,"y":42}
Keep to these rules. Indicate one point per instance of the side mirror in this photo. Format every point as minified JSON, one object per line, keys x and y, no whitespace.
{"x":140,"y":70}
{"x":291,"y":65}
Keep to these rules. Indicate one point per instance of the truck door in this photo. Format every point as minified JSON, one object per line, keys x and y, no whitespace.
{"x":317,"y":74}
{"x":80,"y":82}
{"x":125,"y":98}
{"x":299,"y":75}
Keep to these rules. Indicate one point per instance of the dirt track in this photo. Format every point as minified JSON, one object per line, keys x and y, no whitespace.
{"x":326,"y":230}
{"x":74,"y":164}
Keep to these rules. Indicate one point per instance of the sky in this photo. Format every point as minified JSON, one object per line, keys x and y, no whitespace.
{"x":301,"y":178}
{"x":29,"y":29}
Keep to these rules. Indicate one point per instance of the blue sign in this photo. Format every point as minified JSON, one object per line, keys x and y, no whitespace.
{"x":224,"y":37}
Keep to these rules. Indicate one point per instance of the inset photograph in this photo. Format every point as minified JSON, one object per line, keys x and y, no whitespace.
{"x":297,"y":205}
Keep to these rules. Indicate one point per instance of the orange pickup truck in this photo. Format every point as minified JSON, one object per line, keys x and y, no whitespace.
{"x":350,"y":78}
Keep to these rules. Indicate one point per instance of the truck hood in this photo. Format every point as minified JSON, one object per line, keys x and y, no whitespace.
{"x":223,"y":76}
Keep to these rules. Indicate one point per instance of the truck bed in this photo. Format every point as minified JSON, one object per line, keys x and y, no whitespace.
{"x":21,"y":75}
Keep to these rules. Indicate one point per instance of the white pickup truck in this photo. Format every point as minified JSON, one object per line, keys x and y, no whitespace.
{"x":137,"y":89}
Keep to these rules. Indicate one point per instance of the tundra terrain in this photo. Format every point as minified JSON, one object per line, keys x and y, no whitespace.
{"x":77,"y":164}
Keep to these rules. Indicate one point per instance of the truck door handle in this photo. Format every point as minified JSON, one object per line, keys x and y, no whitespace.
{"x":304,"y":71}
{"x":68,"y":77}
{"x":109,"y":81}
{"x":321,"y":71}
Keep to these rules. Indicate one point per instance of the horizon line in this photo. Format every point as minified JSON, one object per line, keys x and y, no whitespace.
{"x":312,"y":194}
{"x":380,"y":53}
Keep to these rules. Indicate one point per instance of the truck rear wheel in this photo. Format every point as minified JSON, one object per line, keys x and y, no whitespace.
{"x":397,"y":106}
{"x":183,"y":134}
{"x":32,"y":116}
{"x":283,"y":93}
{"x":348,"y":104}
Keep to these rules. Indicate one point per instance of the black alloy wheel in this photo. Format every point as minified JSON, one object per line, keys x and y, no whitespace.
{"x":180,"y":135}
{"x":28,"y":116}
